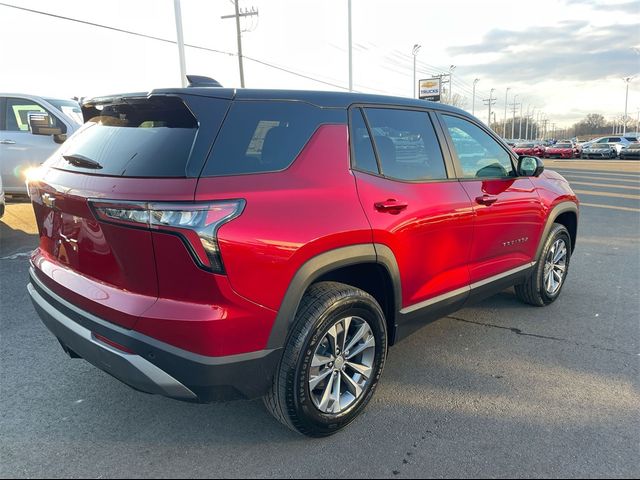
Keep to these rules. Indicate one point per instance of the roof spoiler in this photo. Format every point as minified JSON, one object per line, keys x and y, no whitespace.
{"x":200,"y":81}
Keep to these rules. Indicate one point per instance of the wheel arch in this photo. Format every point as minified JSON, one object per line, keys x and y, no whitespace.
{"x":565,"y":213}
{"x":370,"y":267}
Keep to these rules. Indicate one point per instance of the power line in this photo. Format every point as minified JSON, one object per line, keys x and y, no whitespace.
{"x":173,"y":42}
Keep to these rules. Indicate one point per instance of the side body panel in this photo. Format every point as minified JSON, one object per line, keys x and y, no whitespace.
{"x":431,"y":238}
{"x":290,"y":217}
{"x":506,"y":232}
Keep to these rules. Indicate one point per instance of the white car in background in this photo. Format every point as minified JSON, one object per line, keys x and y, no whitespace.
{"x":31,"y":129}
{"x":1,"y":199}
{"x":616,"y":141}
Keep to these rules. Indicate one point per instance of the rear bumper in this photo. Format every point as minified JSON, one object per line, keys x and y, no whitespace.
{"x":149,"y":365}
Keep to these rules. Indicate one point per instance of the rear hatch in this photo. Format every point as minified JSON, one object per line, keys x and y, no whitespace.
{"x":92,"y":197}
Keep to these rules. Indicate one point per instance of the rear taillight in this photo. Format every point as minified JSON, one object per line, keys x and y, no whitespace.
{"x":196,"y":224}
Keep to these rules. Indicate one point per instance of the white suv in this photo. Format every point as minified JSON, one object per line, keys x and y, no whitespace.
{"x":25,"y":144}
{"x":615,"y":141}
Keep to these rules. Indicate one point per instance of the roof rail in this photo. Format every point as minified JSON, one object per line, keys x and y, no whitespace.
{"x":200,"y":81}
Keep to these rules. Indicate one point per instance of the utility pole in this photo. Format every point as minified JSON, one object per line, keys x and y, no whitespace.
{"x":414,"y":52}
{"x":520,"y":123}
{"x":490,"y":102}
{"x":513,"y":122}
{"x":627,"y":80}
{"x":473,"y":101}
{"x":237,"y":15}
{"x":506,"y":103}
{"x":351,"y":53}
{"x":526,"y":128}
{"x":180,"y":41}
{"x":544,"y":127}
{"x":451,"y":69}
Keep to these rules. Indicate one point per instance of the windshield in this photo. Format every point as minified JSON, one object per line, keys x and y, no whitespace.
{"x":525,"y":145}
{"x":564,"y":145}
{"x":69,"y":107}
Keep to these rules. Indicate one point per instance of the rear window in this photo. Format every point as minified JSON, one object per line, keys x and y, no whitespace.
{"x":150,"y":137}
{"x":265,"y":136}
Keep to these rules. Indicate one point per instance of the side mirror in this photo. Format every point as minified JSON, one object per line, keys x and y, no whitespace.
{"x":40,"y":124}
{"x":530,"y":167}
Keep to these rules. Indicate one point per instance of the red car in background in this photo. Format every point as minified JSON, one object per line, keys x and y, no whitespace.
{"x":529,"y":149}
{"x":562,"y":150}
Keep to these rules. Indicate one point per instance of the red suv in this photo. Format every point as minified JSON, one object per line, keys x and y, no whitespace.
{"x":206,"y":243}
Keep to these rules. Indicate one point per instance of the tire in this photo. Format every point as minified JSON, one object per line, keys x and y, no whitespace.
{"x":535,"y":290}
{"x":291,"y":399}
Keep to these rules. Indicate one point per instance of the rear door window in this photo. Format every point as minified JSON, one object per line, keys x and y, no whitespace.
{"x":265,"y":136}
{"x":406,"y":143}
{"x":364,"y":156}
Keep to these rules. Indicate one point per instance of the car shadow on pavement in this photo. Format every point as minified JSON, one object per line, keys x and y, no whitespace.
{"x":15,"y":241}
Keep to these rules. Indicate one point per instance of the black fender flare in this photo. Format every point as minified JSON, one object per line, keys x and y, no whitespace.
{"x":321,"y":264}
{"x":556,"y":211}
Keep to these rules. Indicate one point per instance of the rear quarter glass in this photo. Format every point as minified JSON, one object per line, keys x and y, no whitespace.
{"x":266,"y":136}
{"x":158,"y":136}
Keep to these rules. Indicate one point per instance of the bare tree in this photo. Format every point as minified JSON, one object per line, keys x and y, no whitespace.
{"x":595,"y":121}
{"x":458,"y":100}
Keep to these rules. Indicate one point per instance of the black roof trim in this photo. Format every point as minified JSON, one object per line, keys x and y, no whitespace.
{"x":324,"y":99}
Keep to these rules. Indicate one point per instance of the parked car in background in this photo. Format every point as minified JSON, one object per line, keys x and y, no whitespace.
{"x":562,"y":150}
{"x":599,"y":150}
{"x":2,"y":200}
{"x":31,"y":129}
{"x":630,"y":152}
{"x":534,"y":149}
{"x":615,"y":140}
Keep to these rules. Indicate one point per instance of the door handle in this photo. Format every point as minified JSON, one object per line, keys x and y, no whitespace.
{"x":7,"y":142}
{"x":486,"y":200}
{"x":391,"y":206}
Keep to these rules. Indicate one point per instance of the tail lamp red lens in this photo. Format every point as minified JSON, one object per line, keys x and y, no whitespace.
{"x":196,"y":224}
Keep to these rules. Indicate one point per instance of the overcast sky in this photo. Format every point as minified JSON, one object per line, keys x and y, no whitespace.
{"x":566,"y":57}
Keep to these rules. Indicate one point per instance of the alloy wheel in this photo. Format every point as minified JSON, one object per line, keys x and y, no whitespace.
{"x":555,"y":267}
{"x":342,"y":365}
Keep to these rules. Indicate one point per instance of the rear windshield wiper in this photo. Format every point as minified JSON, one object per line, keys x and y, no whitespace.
{"x":82,"y":161}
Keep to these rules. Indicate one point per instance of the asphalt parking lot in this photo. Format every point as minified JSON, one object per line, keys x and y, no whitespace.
{"x":497,"y":390}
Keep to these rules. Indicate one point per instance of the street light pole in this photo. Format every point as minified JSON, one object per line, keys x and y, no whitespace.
{"x":513,"y":122}
{"x":506,"y":102}
{"x":473,"y":101}
{"x":180,"y":42}
{"x":416,"y":49}
{"x":627,"y":80}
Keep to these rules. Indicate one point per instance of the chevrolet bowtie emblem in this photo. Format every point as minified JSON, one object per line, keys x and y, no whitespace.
{"x":49,"y":200}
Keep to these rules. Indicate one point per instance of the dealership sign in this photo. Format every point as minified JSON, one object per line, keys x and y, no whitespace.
{"x":430,"y":89}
